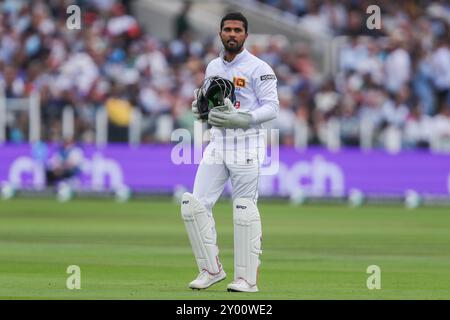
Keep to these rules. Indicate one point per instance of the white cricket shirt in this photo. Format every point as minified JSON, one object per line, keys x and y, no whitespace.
{"x":256,"y":92}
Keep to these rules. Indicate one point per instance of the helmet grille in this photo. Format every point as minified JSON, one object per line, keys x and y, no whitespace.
{"x":212,"y":93}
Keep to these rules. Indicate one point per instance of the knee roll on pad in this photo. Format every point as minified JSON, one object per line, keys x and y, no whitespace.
{"x":202,"y":236}
{"x":247,"y":240}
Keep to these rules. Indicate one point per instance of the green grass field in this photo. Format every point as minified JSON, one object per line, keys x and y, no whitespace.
{"x":140,"y":250}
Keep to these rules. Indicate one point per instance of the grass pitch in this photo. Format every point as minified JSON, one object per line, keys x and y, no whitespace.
{"x":140,"y":250}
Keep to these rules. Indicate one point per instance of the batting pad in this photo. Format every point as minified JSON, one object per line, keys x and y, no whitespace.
{"x":200,"y":228}
{"x":247,"y":240}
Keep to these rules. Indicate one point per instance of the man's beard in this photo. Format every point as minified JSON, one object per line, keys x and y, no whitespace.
{"x":235,"y":49}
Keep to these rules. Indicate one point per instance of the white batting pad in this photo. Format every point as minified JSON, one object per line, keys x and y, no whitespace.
{"x":200,"y":227}
{"x":247,"y":240}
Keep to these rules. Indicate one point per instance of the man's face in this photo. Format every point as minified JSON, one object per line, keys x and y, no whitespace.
{"x":233,"y":35}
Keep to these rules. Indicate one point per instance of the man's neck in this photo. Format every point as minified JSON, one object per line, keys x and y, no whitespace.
{"x":229,"y":56}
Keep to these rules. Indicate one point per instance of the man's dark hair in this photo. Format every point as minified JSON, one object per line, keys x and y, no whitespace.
{"x":237,"y":16}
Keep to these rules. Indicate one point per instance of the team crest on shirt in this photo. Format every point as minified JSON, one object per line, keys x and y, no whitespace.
{"x":239,"y":82}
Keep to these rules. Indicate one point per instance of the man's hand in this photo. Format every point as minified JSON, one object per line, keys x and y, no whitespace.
{"x":228,"y":117}
{"x":194,"y":105}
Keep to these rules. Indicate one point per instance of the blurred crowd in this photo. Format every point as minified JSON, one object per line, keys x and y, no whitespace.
{"x":397,"y":77}
{"x":390,"y":80}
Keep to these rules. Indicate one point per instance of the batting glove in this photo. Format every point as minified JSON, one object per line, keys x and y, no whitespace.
{"x":227,"y":116}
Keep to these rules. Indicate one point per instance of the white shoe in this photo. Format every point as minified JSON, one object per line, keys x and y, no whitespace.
{"x":205,"y":279}
{"x":241,"y":285}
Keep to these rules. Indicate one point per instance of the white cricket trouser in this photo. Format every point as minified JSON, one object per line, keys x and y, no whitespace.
{"x":217,"y":165}
{"x":242,"y":166}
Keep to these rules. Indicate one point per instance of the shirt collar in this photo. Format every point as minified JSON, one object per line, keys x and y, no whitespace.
{"x":236,"y":59}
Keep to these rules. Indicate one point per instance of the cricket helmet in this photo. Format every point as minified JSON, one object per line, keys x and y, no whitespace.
{"x":212,"y":93}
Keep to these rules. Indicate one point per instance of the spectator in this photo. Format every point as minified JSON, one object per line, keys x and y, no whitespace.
{"x":65,"y":163}
{"x":349,"y":122}
{"x":119,"y":110}
{"x":417,"y":129}
{"x":395,"y":112}
{"x":286,"y":118}
{"x":440,"y":139}
{"x":398,"y":64}
{"x":182,"y":24}
{"x":440,"y":64}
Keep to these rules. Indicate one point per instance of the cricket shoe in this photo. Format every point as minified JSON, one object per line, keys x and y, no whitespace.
{"x":205,"y":279}
{"x":240,"y":285}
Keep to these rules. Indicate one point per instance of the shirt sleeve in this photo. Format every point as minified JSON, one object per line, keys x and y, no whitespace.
{"x":211,"y":69}
{"x":265,"y":86}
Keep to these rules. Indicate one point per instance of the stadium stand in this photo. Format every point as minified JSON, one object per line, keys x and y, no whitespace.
{"x":389,"y":87}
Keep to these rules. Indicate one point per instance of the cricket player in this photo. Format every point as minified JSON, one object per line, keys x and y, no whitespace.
{"x":236,"y":151}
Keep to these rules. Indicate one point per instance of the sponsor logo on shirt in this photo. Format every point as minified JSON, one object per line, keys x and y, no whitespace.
{"x":268,"y":77}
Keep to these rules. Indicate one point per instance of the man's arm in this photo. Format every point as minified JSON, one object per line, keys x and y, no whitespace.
{"x":265,"y":86}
